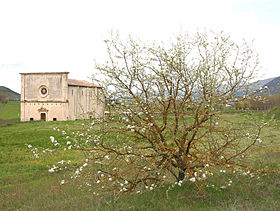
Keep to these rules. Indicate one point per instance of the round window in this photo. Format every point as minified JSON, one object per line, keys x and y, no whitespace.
{"x":44,"y":91}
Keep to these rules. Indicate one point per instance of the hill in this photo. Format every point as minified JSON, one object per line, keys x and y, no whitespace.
{"x":10,"y":94}
{"x":271,"y":86}
{"x":261,"y":83}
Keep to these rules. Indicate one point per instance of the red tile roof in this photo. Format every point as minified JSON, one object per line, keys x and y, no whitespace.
{"x":74,"y":82}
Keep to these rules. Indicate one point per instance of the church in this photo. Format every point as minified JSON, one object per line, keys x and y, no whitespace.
{"x":51,"y":96}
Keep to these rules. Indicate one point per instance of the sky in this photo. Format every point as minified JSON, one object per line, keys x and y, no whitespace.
{"x":68,"y":35}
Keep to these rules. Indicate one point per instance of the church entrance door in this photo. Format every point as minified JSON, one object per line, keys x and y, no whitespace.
{"x":43,"y":116}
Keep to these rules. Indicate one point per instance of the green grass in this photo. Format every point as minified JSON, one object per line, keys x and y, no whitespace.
{"x":26,"y":184}
{"x":275,"y":112}
{"x":11,"y":110}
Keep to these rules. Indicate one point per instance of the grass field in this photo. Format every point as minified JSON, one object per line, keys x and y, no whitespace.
{"x":11,"y":110}
{"x":26,"y":184}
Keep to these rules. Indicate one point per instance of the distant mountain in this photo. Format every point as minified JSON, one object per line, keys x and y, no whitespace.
{"x":261,"y":83}
{"x":10,"y":94}
{"x":271,"y":87}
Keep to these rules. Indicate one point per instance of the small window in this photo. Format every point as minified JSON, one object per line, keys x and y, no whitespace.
{"x":90,"y":117}
{"x":72,"y":92}
{"x":54,"y":119}
{"x":31,"y":119}
{"x":82,"y":93}
{"x":44,"y":91}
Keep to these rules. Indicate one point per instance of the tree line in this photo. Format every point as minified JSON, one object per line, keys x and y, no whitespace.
{"x":258,"y":102}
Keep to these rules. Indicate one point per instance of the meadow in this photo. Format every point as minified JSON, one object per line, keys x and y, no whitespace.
{"x":26,"y":184}
{"x":10,"y":110}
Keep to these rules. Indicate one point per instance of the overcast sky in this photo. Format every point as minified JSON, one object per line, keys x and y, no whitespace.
{"x":67,"y":35}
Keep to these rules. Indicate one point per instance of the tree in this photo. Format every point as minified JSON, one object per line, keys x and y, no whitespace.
{"x":165,"y":117}
{"x":2,"y":97}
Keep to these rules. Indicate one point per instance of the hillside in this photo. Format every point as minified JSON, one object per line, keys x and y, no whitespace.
{"x":10,"y":94}
{"x":261,"y":83}
{"x":272,"y":86}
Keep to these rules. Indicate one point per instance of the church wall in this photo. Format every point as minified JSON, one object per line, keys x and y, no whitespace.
{"x":56,"y":84}
{"x":48,"y":95}
{"x":32,"y":111}
{"x":82,"y":102}
{"x":53,"y":102}
{"x":99,"y":103}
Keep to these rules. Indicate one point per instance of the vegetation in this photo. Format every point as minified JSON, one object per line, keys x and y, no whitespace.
{"x":167,"y":103}
{"x":10,"y":110}
{"x":26,"y":183}
{"x":2,"y":97}
{"x":10,"y":94}
{"x":167,"y":141}
{"x":258,"y":102}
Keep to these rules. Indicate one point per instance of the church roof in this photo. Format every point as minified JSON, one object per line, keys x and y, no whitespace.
{"x":75,"y":82}
{"x":44,"y":73}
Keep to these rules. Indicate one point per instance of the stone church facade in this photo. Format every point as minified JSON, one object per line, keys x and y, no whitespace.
{"x":51,"y":96}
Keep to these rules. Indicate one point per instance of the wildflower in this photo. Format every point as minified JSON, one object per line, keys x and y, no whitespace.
{"x":51,"y":170}
{"x":68,"y":142}
{"x":110,"y":179}
{"x":29,"y":146}
{"x":52,"y":139}
{"x":192,"y":179}
{"x":98,"y":181}
{"x":62,"y":182}
{"x":180,"y":182}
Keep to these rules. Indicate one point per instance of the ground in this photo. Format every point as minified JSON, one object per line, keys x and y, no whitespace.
{"x":26,"y":183}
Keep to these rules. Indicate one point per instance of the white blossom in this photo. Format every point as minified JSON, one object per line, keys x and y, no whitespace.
{"x":192,"y":179}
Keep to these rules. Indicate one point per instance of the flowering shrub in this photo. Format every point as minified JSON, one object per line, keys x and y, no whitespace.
{"x":165,"y":119}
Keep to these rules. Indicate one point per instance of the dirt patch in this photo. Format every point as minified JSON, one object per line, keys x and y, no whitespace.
{"x":4,"y":122}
